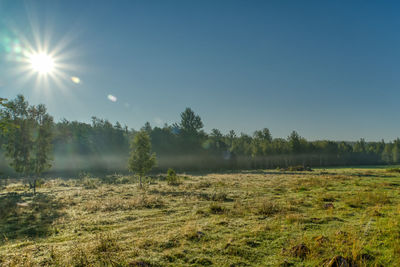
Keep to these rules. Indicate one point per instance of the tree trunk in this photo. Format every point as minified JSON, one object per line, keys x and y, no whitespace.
{"x":140,"y":181}
{"x":30,"y":183}
{"x":34,"y":186}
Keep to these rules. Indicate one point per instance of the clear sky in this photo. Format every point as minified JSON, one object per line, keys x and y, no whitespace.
{"x":328,"y":69}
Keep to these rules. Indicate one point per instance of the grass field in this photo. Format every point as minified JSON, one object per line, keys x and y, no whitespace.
{"x":250,"y":218}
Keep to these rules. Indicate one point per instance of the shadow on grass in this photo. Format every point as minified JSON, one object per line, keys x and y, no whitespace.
{"x":203,"y":196}
{"x":24,"y":215}
{"x":256,"y":171}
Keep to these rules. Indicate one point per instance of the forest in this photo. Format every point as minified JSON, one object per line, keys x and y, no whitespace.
{"x":185,"y":146}
{"x":222,"y":201}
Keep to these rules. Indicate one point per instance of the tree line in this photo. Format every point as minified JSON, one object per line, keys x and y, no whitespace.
{"x":103,"y":146}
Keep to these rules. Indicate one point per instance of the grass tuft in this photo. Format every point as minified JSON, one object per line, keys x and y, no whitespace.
{"x":346,"y":217}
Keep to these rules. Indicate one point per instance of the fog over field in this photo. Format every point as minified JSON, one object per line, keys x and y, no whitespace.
{"x":199,"y":133}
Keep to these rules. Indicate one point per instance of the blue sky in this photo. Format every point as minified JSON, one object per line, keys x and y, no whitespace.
{"x":328,"y":69}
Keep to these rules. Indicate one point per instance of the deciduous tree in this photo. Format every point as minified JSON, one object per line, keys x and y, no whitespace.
{"x":28,"y":144}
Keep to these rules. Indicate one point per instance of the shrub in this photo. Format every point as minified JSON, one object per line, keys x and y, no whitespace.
{"x":90,"y":183}
{"x":172,"y":178}
{"x":40,"y":182}
{"x":86,"y":180}
{"x":116,"y":179}
{"x":299,"y":168}
{"x":267,"y":208}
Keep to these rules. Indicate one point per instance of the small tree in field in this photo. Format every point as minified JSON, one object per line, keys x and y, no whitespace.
{"x":172,"y":178}
{"x":28,"y":142}
{"x":19,"y":140}
{"x":141,"y":160}
{"x":42,"y":145}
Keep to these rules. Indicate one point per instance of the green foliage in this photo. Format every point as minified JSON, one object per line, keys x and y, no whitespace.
{"x":360,"y":146}
{"x":387,"y":155}
{"x":172,"y":178}
{"x":190,"y":122}
{"x":294,"y":140}
{"x":4,"y":123}
{"x":298,"y":168}
{"x":396,"y":151}
{"x":29,"y":144}
{"x":142,"y":160}
{"x":43,"y":136}
{"x":116,"y":179}
{"x":102,"y":146}
{"x":19,"y":140}
{"x":263,"y":135}
{"x":184,"y":146}
{"x":90,"y":183}
{"x":171,"y":173}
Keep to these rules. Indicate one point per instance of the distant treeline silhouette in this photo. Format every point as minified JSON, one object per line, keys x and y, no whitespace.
{"x":184,"y":146}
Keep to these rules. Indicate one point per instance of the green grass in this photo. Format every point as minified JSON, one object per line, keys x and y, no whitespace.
{"x":260,"y":218}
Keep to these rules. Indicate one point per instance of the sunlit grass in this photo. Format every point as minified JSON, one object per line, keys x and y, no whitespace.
{"x":262,"y":218}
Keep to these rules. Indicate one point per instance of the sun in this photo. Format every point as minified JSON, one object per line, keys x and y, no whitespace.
{"x":41,"y":63}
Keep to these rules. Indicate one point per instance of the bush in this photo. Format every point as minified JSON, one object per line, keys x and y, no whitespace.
{"x":299,"y":168}
{"x":90,"y":183}
{"x":116,"y":179}
{"x":267,"y":208}
{"x":40,"y":182}
{"x":172,"y":178}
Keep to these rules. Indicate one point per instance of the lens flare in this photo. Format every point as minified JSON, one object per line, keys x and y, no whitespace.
{"x":112,"y":98}
{"x":75,"y":80}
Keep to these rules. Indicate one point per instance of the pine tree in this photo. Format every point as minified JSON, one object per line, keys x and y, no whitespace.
{"x":141,"y":160}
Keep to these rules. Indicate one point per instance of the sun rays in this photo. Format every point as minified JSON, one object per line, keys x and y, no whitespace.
{"x":42,"y":60}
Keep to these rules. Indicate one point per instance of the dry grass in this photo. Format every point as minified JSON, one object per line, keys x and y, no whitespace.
{"x":264,"y":218}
